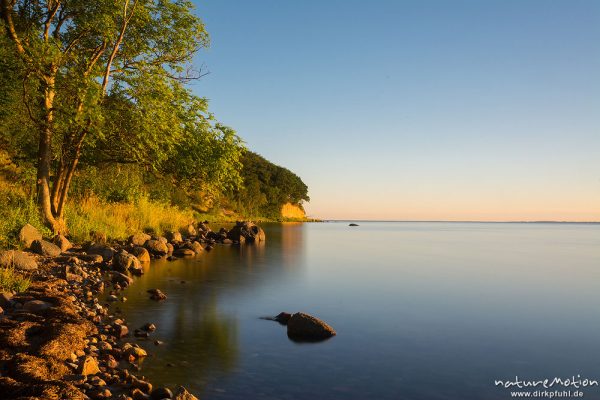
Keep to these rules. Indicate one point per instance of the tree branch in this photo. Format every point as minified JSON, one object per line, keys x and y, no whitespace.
{"x":6,"y":8}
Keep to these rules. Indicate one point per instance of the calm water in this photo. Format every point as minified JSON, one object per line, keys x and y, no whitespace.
{"x":422,"y":311}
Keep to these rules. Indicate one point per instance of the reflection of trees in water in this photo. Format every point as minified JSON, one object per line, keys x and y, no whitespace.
{"x":201,"y":341}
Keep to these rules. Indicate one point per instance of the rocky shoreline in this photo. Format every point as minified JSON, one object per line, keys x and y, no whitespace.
{"x":62,"y":339}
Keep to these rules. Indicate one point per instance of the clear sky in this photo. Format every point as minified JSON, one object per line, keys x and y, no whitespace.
{"x":416,"y":110}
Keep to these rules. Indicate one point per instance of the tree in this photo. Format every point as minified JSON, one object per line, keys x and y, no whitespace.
{"x":76,"y":56}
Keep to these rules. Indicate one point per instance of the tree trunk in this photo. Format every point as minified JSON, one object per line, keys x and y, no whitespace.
{"x":45,"y":154}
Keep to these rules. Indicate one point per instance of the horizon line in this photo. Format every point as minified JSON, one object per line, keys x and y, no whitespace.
{"x":463,"y":221}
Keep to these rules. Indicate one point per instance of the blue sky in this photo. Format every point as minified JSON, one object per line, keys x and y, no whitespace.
{"x":416,"y":110}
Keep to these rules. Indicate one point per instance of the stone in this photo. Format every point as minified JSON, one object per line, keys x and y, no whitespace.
{"x":157,"y":247}
{"x":62,"y":242}
{"x":183,"y":252}
{"x":121,"y":279}
{"x":190,"y":230}
{"x":88,"y":366}
{"x":18,"y":259}
{"x":150,"y":327}
{"x":250,"y":233}
{"x":283,"y":318}
{"x":136,"y":352}
{"x":91,"y":258}
{"x":174,"y":237}
{"x":28,"y":234}
{"x":139,"y":239}
{"x":141,"y":253}
{"x":144,"y":386}
{"x":123,"y":261}
{"x":157,"y":294}
{"x":137,"y":394}
{"x":182,"y":394}
{"x":103,"y":250}
{"x":353,"y":225}
{"x":35,"y":306}
{"x":45,"y":248}
{"x":195,"y":246}
{"x":302,"y":326}
{"x":120,"y":330}
{"x":161,"y":393}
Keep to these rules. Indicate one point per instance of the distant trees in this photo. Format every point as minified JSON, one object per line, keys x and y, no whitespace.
{"x":103,"y":81}
{"x":267,"y":187}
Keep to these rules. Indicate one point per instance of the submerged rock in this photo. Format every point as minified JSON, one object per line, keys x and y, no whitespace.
{"x":157,"y":294}
{"x":182,"y":394}
{"x":305,"y":327}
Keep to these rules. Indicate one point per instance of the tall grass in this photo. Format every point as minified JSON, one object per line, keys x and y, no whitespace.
{"x":119,"y":220}
{"x":17,"y":208}
{"x":11,"y":280}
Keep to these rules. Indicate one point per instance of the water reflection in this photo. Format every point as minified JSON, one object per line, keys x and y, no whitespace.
{"x":200,"y":335}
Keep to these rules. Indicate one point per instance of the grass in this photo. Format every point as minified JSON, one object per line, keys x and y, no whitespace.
{"x":119,"y":220}
{"x":11,"y":280}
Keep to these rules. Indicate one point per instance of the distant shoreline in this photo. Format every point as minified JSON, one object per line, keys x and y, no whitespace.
{"x":464,"y":222}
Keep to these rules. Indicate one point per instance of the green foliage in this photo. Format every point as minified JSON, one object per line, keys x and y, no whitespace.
{"x":146,"y":140}
{"x":11,"y":280}
{"x":267,"y":187}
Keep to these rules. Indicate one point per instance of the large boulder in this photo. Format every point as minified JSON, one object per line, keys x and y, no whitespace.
{"x":141,"y":253}
{"x":123,"y":261}
{"x":195,"y":246}
{"x":62,"y":242}
{"x":182,"y":394}
{"x":45,"y":248}
{"x":302,"y":326}
{"x":248,"y":231}
{"x":157,"y":247}
{"x":139,"y":239}
{"x":174,"y":237}
{"x":17,"y":259}
{"x":103,"y":250}
{"x":28,"y":234}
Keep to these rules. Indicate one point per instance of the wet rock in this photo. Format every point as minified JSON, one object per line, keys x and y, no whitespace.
{"x":353,"y":225}
{"x":302,"y":326}
{"x":141,"y":334}
{"x":142,"y":385}
{"x":137,"y":394}
{"x":88,"y":366}
{"x":28,"y":234}
{"x":120,"y":330}
{"x":158,"y":342}
{"x":121,"y":279}
{"x":62,"y":242}
{"x":161,"y":393}
{"x":135,"y":351}
{"x":246,"y":232}
{"x":18,"y":259}
{"x":170,"y":248}
{"x":141,"y":253}
{"x":182,"y":394}
{"x":99,"y":393}
{"x":45,"y":248}
{"x":195,"y":246}
{"x":157,"y":247}
{"x":283,"y":318}
{"x":123,"y":261}
{"x":139,"y":239}
{"x":183,"y":252}
{"x":35,"y":306}
{"x":5,"y":299}
{"x":157,"y":294}
{"x":150,"y":327}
